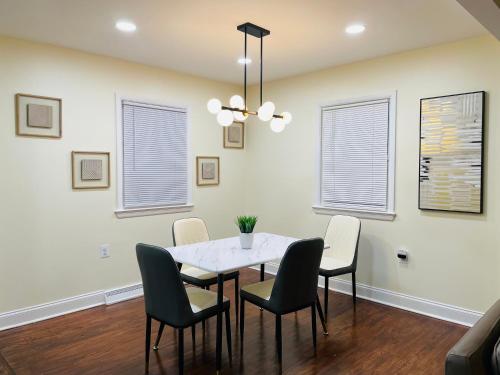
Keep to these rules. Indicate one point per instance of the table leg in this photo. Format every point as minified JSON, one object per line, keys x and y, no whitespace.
{"x":218,"y":344}
{"x":262,"y":269}
{"x":321,"y":316}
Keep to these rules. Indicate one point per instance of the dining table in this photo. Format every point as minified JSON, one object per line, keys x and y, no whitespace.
{"x":225,"y":255}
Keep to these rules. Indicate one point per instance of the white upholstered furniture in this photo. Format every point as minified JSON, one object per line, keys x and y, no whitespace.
{"x":341,"y":257}
{"x":191,"y":231}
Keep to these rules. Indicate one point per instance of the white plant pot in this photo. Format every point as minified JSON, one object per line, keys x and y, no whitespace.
{"x":246,"y":240}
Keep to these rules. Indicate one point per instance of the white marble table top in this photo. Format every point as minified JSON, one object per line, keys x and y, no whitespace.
{"x":226,"y":254}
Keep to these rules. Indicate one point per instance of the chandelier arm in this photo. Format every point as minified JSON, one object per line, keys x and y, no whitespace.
{"x":244,"y":111}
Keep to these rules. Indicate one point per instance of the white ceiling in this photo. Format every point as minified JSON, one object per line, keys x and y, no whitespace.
{"x":200,"y":36}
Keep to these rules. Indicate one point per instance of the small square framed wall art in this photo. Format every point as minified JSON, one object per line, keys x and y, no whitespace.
{"x":38,"y":116}
{"x":234,"y":135}
{"x":207,"y":170}
{"x":90,"y":170}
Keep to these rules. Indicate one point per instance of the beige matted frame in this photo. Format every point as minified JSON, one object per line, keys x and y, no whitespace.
{"x":225,"y":131}
{"x":73,"y":153}
{"x":198,"y":159}
{"x":18,"y":132}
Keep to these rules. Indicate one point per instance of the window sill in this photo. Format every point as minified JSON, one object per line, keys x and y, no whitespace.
{"x":149,"y":211}
{"x":374,"y":215}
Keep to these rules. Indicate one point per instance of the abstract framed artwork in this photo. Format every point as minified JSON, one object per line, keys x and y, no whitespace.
{"x":234,"y":135}
{"x":38,"y":116}
{"x":90,"y":170}
{"x":207,"y":170}
{"x":451,"y":153}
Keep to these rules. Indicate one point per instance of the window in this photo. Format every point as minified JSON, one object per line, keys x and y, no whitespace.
{"x":357,"y":157}
{"x":153,"y":159}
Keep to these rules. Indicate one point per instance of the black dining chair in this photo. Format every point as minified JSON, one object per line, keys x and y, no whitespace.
{"x":294,"y":288}
{"x":169,"y":302}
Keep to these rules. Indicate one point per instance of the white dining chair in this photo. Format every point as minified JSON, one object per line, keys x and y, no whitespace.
{"x":342,"y":235}
{"x":192,"y":230}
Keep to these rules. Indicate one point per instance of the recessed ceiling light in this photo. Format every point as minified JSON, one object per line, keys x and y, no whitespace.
{"x":126,"y":26}
{"x":242,"y":60}
{"x":355,"y":28}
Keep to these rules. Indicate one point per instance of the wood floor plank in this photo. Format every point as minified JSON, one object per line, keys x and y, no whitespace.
{"x":368,"y":339}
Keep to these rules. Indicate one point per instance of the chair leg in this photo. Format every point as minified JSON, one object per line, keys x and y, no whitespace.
{"x":158,"y":337}
{"x":193,"y":335}
{"x":236,"y":296}
{"x":242,"y":321}
{"x":326,"y":298}
{"x":181,"y":351}
{"x":148,"y":341}
{"x":313,"y":322}
{"x":228,"y":336}
{"x":279,"y":348}
{"x":354,"y":287}
{"x":321,"y":316}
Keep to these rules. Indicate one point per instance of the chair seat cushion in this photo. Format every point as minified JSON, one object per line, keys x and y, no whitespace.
{"x":197,"y":273}
{"x":330,"y":263}
{"x":201,"y":299}
{"x":261,"y":290}
{"x":196,"y":276}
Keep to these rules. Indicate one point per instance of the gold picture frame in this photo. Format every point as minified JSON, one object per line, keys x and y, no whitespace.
{"x":46,"y":112}
{"x":207,"y":170}
{"x":233,"y":136}
{"x":90,"y":170}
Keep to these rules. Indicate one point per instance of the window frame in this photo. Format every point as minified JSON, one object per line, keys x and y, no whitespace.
{"x":121,"y":211}
{"x":389,"y":213}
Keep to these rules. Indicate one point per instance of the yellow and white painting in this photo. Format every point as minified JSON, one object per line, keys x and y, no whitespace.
{"x":451,"y":148}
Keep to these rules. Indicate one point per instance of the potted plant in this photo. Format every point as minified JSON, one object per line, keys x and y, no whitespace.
{"x":246,"y":225}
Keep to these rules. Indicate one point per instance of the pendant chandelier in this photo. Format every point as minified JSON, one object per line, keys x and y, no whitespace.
{"x":237,"y":109}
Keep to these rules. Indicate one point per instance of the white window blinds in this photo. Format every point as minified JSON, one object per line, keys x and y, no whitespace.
{"x":354,"y":156}
{"x":155,"y":155}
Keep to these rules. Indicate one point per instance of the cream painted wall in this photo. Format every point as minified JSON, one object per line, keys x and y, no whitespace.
{"x":454,"y":258}
{"x":49,"y":233}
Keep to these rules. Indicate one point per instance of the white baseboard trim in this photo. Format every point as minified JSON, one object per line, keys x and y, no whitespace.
{"x":33,"y":314}
{"x":64,"y":306}
{"x":417,"y":305}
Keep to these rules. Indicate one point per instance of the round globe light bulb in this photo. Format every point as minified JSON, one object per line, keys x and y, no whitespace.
{"x":240,"y":116}
{"x":225,"y":117}
{"x":277,"y":125}
{"x":214,"y":106}
{"x":287,"y":117}
{"x":237,"y":101}
{"x":266,"y":111}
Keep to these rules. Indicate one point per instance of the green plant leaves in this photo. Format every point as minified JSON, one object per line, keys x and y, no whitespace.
{"x":246,"y":223}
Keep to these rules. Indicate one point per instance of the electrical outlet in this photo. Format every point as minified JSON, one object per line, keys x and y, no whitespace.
{"x":402,"y":255}
{"x":104,"y":251}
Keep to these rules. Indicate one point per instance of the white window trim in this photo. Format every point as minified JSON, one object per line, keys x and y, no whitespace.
{"x":122,"y":212}
{"x":390,"y":213}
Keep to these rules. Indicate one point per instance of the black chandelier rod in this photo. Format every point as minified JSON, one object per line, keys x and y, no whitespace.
{"x":261,"y":64}
{"x":245,"y":70}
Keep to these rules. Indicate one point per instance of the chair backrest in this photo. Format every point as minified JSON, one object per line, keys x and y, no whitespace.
{"x":164,"y":293}
{"x":296,"y":282}
{"x":188,"y":231}
{"x":342,"y":235}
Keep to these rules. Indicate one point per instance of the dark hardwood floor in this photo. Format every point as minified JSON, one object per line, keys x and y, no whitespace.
{"x":370,"y":339}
